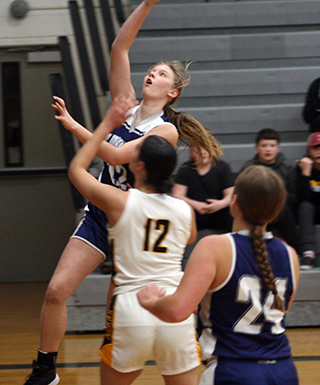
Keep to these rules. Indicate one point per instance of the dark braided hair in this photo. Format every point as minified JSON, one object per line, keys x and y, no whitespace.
{"x":261,"y":194}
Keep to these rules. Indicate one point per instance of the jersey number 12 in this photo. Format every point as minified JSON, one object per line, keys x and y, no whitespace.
{"x":162,"y":227}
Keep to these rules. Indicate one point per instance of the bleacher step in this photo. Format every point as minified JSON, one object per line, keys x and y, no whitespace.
{"x":87,"y":305}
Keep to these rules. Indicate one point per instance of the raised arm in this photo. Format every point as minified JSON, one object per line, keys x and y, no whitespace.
{"x":120,"y":74}
{"x":108,"y":198}
{"x":80,"y":132}
{"x":106,"y":151}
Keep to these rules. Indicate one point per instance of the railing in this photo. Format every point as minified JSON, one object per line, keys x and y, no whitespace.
{"x":23,"y":171}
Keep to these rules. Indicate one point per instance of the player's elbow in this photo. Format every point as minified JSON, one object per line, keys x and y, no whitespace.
{"x":175,"y":315}
{"x":74,"y":174}
{"x":71,"y":172}
{"x":176,"y":318}
{"x":113,"y":162}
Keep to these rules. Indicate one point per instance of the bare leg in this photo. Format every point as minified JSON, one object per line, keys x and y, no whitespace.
{"x":77,"y":261}
{"x":186,"y":378}
{"x":110,"y":376}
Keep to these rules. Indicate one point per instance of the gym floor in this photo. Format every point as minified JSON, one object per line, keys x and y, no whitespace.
{"x":78,"y":360}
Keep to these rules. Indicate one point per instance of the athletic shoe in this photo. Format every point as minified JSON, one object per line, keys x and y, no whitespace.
{"x":42,"y":375}
{"x":308,"y":260}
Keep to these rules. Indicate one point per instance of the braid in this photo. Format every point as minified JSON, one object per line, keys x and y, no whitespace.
{"x":261,"y":256}
{"x":192,"y":133}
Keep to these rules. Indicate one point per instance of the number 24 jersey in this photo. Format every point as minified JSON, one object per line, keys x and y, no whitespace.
{"x":237,"y":319}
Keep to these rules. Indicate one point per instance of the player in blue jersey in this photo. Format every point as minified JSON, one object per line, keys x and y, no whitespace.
{"x":88,"y":246}
{"x":245,"y":282}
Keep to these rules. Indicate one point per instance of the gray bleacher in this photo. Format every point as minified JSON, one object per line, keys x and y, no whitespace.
{"x":252,"y":64}
{"x":87,"y":305}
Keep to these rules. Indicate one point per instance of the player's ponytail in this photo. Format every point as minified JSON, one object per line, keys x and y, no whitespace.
{"x":191,"y":132}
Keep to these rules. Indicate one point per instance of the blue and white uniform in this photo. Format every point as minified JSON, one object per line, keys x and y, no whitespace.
{"x":242,"y":337}
{"x":93,"y":228}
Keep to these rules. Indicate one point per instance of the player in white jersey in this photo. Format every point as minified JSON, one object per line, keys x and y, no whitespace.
{"x":88,"y":247}
{"x":245,"y":282}
{"x":149,"y":231}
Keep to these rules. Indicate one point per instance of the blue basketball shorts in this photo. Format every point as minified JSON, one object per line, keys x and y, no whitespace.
{"x":243,"y":372}
{"x":93,"y":233}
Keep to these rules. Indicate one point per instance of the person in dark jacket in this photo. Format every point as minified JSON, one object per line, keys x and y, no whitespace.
{"x":308,"y":192}
{"x":267,"y":146}
{"x":311,"y":108}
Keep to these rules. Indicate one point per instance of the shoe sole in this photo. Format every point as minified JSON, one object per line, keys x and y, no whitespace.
{"x":306,"y":267}
{"x":55,"y":381}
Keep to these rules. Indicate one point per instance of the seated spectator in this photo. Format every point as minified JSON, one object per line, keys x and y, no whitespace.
{"x":311,"y":109}
{"x":268,"y":154}
{"x":308,"y":191}
{"x":207,"y":185}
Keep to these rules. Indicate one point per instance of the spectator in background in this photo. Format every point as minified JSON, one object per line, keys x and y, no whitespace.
{"x":311,"y":109}
{"x":269,"y":155}
{"x":308,"y":190}
{"x":207,"y":185}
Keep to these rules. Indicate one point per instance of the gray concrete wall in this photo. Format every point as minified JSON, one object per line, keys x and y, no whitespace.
{"x":37,"y":210}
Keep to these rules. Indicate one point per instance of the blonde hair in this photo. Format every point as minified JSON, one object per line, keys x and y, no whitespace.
{"x":261,"y":194}
{"x":181,"y":78}
{"x":191,"y":132}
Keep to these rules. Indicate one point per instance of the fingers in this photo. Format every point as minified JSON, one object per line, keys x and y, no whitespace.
{"x":58,"y":99}
{"x":162,"y":292}
{"x":151,"y":2}
{"x":59,"y":104}
{"x":124,"y":103}
{"x":151,"y":291}
{"x":121,"y":108}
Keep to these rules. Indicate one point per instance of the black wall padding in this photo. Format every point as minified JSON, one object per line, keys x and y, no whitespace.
{"x":97,"y":46}
{"x":108,"y":23}
{"x":71,"y":82}
{"x":119,"y":10}
{"x":85,"y":63}
{"x":67,"y":139}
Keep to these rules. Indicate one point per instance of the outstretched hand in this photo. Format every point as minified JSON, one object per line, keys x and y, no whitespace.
{"x":64,"y":117}
{"x":148,"y":295}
